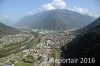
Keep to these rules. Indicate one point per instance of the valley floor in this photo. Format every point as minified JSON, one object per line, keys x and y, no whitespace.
{"x":34,"y":49}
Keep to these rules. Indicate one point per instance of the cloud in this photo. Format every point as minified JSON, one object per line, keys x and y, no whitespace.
{"x":80,"y":10}
{"x":94,"y":15}
{"x":59,"y":4}
{"x":28,"y":13}
{"x":47,"y":7}
{"x":55,"y":4}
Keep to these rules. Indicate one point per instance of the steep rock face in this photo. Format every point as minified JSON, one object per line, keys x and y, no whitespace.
{"x":56,"y":19}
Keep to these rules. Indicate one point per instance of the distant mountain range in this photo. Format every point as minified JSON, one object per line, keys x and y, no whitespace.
{"x":8,"y":22}
{"x":58,"y":19}
{"x":7,"y":30}
{"x":85,"y":46}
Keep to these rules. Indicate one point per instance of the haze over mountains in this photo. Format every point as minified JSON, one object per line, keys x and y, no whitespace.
{"x":90,"y":26}
{"x":57,"y":19}
{"x":7,"y":30}
{"x":7,"y":21}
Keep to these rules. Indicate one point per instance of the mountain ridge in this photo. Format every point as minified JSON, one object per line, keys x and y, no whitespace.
{"x":69,"y":19}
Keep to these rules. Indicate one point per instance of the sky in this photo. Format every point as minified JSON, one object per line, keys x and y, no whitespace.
{"x":15,"y":9}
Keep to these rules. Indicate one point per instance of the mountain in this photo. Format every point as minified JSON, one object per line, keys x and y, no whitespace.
{"x":7,"y":30}
{"x":55,"y":19}
{"x":85,"y":46}
{"x":90,"y":26}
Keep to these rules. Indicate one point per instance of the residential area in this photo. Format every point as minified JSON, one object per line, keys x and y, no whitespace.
{"x":35,"y":51}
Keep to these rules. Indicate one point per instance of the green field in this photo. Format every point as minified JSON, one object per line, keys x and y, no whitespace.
{"x":23,"y":64}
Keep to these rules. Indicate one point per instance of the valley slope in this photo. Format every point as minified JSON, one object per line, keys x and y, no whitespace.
{"x":84,"y":46}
